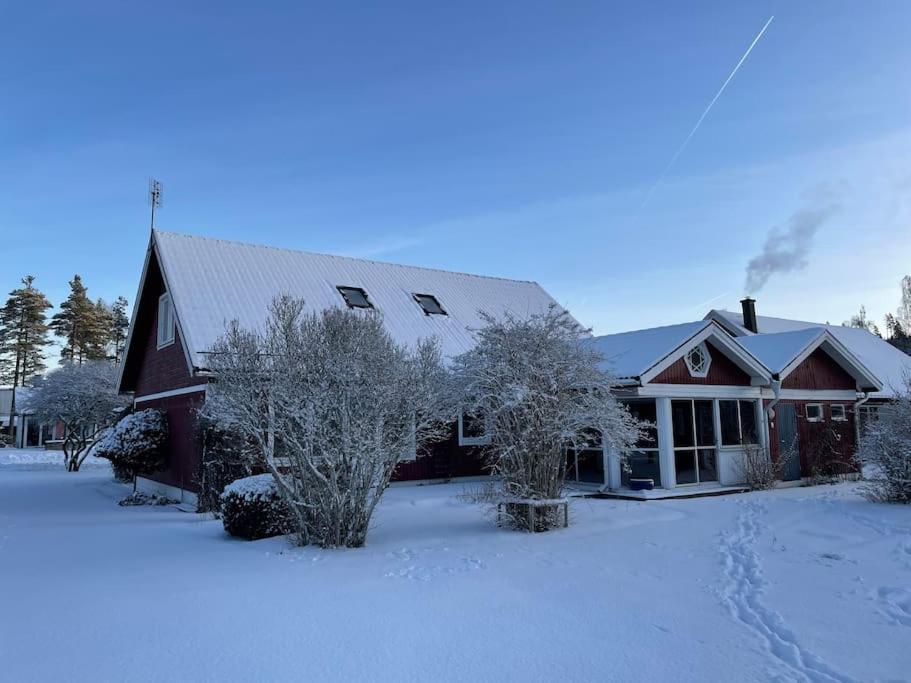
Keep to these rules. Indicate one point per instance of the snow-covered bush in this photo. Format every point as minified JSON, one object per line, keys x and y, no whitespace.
{"x":885,"y":450}
{"x":539,"y":391}
{"x":829,"y":453}
{"x":136,"y":444}
{"x":84,"y":398}
{"x":253,"y":508}
{"x":328,"y":404}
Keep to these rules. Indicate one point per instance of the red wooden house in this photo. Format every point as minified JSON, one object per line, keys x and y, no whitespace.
{"x":191,"y":287}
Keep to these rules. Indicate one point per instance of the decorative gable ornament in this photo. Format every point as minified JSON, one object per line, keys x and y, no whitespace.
{"x":698,"y":360}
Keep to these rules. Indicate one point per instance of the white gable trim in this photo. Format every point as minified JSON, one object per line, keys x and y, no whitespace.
{"x":840,"y":353}
{"x":713,"y":332}
{"x":197,"y":388}
{"x":152,"y":249}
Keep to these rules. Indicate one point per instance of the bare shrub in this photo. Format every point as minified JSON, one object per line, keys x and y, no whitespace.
{"x":885,"y":450}
{"x":759,"y":471}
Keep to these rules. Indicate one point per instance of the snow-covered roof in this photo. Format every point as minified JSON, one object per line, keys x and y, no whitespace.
{"x":776,"y":351}
{"x":629,"y":355}
{"x":887,"y":363}
{"x":213,"y":282}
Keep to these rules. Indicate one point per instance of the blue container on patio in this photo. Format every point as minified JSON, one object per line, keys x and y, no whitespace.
{"x":642,"y":484}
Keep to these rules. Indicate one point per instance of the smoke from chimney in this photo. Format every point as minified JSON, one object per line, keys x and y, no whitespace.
{"x":787,"y":250}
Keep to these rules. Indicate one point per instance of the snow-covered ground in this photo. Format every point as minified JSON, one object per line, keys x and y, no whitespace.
{"x":791,"y":585}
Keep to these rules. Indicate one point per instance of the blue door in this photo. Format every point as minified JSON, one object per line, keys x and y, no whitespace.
{"x":787,"y":440}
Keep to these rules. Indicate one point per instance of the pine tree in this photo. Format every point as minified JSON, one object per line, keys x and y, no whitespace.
{"x":98,"y":343}
{"x":120,"y":323}
{"x":79,"y":321}
{"x":23,"y":334}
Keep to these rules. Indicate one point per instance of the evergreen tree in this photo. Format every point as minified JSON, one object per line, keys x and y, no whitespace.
{"x":81,"y":323}
{"x":23,"y":334}
{"x":120,"y":324}
{"x":99,"y":342}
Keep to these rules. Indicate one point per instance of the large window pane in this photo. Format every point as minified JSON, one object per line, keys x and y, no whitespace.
{"x":643,"y":465}
{"x":707,"y":468}
{"x":748,"y":422}
{"x":645,"y":410}
{"x":685,"y":465}
{"x":682,"y":420}
{"x":730,"y":429}
{"x":705,"y":423}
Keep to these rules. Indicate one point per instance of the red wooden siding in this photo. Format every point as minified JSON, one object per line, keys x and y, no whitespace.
{"x":722,"y":371}
{"x":808,"y":432}
{"x":184,"y":447}
{"x":819,"y":371}
{"x":446,"y":460}
{"x":149,"y":369}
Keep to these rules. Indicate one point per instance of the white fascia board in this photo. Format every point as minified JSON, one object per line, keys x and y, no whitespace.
{"x":699,"y":391}
{"x":819,"y":395}
{"x":196,"y":388}
{"x":842,"y":355}
{"x":720,"y":337}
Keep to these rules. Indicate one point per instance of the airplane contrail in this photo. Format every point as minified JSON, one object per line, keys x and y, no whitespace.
{"x":705,"y":113}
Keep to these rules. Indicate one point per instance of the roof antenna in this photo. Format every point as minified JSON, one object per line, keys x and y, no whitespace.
{"x":154,"y":197}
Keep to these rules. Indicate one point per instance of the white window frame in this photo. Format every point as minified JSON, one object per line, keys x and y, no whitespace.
{"x":474,"y":440}
{"x":842,"y":408}
{"x":704,"y":349}
{"x":806,"y":412}
{"x":737,"y":401}
{"x":166,"y":337}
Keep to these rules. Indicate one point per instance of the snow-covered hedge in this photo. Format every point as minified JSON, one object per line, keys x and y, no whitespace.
{"x":885,"y":450}
{"x":252,"y":508}
{"x":136,"y":444}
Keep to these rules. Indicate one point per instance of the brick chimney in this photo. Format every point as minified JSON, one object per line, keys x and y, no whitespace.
{"x":749,"y":314}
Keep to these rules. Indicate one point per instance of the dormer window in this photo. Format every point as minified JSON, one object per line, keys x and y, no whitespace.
{"x":355,"y":297}
{"x":429,"y":304}
{"x":698,"y":360}
{"x":165,"y":321}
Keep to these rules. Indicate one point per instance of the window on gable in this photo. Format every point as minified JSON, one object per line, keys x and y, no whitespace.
{"x":814,"y":412}
{"x":838,"y":412}
{"x":430,"y":304}
{"x":165,"y":320}
{"x":355,"y":297}
{"x":698,"y":360}
{"x":473,"y":429}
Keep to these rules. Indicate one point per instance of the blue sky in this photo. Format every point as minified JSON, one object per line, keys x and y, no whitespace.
{"x":512,"y":139}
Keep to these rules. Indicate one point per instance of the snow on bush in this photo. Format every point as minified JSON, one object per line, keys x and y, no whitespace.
{"x":759,"y":471}
{"x":136,"y":444}
{"x":328,"y":404}
{"x":84,"y":398}
{"x":539,"y":392}
{"x":253,"y":508}
{"x":885,"y":448}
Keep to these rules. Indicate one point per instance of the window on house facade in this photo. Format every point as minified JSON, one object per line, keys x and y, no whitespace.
{"x":814,"y":412}
{"x":165,"y":321}
{"x":693,"y":424}
{"x":698,"y":360}
{"x":838,"y":412}
{"x":643,"y":463}
{"x":430,"y":304}
{"x":473,"y":430}
{"x":738,"y":422}
{"x":355,"y":297}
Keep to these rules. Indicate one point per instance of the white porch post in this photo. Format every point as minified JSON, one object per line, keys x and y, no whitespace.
{"x":665,"y":443}
{"x":611,"y":464}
